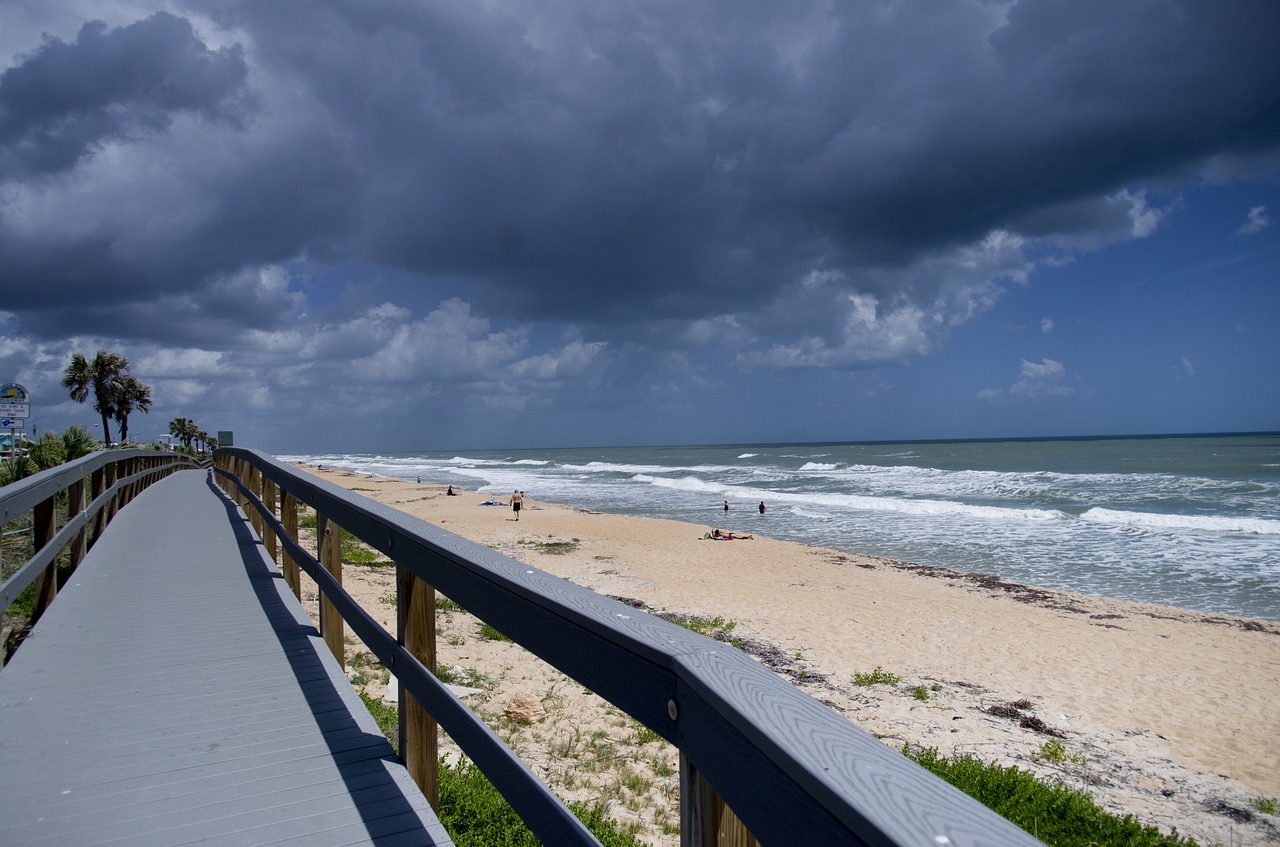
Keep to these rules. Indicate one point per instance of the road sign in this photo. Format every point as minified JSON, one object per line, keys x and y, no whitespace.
{"x":15,"y":402}
{"x":11,"y":423}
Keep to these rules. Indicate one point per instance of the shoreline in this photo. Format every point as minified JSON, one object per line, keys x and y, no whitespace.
{"x":1165,"y":713}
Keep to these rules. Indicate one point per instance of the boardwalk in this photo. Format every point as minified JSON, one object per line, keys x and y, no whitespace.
{"x":176,"y":693}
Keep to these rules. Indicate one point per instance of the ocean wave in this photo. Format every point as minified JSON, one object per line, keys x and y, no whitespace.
{"x":1208,"y":523}
{"x":684,"y":483}
{"x":748,"y":455}
{"x":852,"y":502}
{"x":463,"y":460}
{"x":611,"y":467}
{"x":818,"y":466}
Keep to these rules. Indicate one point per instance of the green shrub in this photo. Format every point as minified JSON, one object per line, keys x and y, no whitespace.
{"x":704,"y":626}
{"x":476,"y":815}
{"x":1267,"y":805}
{"x":492,"y":634}
{"x":388,"y":718}
{"x":355,"y":553}
{"x":1057,"y":815}
{"x":879,"y":676}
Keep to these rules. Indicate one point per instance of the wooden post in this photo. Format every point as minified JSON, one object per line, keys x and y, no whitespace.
{"x":252,"y":480}
{"x":705,"y":820}
{"x":43,"y":527}
{"x":269,"y":496}
{"x":289,"y":517}
{"x":126,"y":493}
{"x":331,"y":625}
{"x":112,"y":504}
{"x":96,"y":486}
{"x":75,"y":505}
{"x":419,"y":739}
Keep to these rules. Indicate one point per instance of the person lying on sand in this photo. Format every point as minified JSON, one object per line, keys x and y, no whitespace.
{"x":492,"y":502}
{"x":717,"y":535}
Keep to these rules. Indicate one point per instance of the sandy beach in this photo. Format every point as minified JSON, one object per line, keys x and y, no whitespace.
{"x":1170,"y":715}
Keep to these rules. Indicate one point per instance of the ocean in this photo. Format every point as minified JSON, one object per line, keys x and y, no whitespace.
{"x":1188,"y":521}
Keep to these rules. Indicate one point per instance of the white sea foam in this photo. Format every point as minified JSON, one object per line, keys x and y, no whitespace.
{"x":1207,"y":523}
{"x":818,"y":466}
{"x":748,"y":455}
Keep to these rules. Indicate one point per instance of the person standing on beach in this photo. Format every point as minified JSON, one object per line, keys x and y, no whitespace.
{"x":517,"y":499}
{"x":762,"y":507}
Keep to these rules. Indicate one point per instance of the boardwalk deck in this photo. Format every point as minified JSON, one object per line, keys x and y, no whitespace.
{"x":176,"y":693}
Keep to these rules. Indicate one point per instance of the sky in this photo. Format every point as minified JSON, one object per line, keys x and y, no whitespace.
{"x":397,"y":225}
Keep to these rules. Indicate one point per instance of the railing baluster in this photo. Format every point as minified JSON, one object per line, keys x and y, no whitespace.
{"x":705,"y":820}
{"x":43,"y":526}
{"x":97,"y":485}
{"x":75,"y":505}
{"x":289,"y":517}
{"x":112,"y":506}
{"x":419,"y":737}
{"x":332,"y":629}
{"x":254,"y":481}
{"x":269,"y":497}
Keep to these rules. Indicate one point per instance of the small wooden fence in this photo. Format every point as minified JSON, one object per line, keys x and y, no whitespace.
{"x":760,"y":761}
{"x":111,"y":478}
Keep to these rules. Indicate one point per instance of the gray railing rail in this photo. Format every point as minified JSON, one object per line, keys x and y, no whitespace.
{"x":789,"y":768}
{"x":113,"y":477}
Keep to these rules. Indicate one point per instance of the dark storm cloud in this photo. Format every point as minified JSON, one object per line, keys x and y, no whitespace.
{"x":65,"y":99}
{"x":610,"y":162}
{"x":623,"y":163}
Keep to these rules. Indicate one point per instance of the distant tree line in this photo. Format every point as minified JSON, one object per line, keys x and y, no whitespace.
{"x":186,"y":431}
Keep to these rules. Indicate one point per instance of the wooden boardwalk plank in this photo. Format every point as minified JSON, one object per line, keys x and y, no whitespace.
{"x":176,"y":693}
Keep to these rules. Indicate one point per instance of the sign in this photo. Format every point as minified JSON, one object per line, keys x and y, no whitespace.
{"x":11,"y":423}
{"x":15,"y":402}
{"x":226,"y":438}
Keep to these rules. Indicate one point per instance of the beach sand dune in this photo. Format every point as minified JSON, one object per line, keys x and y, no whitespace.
{"x":1168,"y":714}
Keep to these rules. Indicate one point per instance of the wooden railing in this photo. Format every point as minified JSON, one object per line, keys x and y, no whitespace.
{"x":110,"y":478}
{"x":761,"y":762}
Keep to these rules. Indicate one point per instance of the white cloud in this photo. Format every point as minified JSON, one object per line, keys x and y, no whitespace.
{"x":1255,"y":222}
{"x":177,"y":362}
{"x":1046,"y":325}
{"x":1045,"y":378}
{"x":1144,"y":219}
{"x":1187,"y":367}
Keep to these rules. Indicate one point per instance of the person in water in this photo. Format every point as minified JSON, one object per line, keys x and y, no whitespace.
{"x":762,"y":507}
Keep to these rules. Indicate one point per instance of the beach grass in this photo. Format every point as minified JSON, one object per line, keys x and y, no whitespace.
{"x":1058,"y":815}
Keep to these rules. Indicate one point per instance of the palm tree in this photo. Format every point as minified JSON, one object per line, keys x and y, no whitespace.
{"x":129,"y":394}
{"x":48,"y":452}
{"x":183,"y":429}
{"x":78,"y":442}
{"x":99,"y":374}
{"x":203,"y":438}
